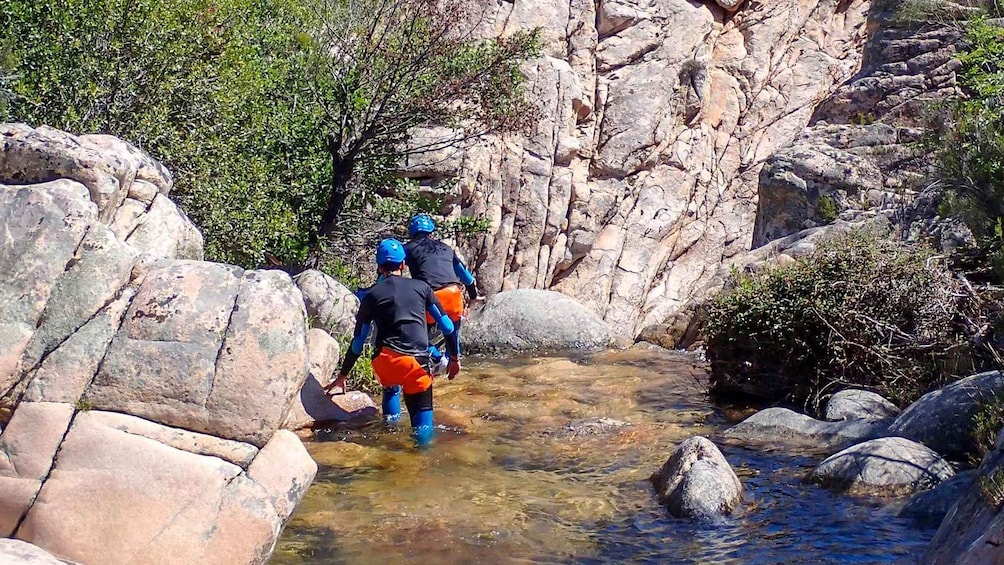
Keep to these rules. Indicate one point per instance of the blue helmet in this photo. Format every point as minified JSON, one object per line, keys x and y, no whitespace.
{"x":422,"y":223}
{"x":390,"y":252}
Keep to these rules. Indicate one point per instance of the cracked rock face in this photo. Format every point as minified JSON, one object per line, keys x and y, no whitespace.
{"x":128,"y":187}
{"x":655,"y":119}
{"x":148,"y":390}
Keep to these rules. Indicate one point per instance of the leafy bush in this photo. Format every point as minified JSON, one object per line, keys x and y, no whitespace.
{"x":859,"y":312}
{"x":967,"y":138}
{"x":210,"y":88}
{"x":371,"y":216}
{"x":270,"y":113}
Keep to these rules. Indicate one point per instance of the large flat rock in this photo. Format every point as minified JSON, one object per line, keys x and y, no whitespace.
{"x":787,"y":429}
{"x":116,"y":497}
{"x":208,"y":348}
{"x":890,"y":466}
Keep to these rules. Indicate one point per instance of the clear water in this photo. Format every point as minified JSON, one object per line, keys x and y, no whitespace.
{"x":548,"y":461}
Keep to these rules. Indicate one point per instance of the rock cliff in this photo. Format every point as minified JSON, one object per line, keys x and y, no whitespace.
{"x":656,"y":119}
{"x":661,"y":125}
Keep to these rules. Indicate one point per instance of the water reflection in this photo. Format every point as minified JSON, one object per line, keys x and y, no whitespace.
{"x":547,"y":461}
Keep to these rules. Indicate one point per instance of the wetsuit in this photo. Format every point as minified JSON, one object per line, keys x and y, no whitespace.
{"x":397,"y":306}
{"x":436,"y":263}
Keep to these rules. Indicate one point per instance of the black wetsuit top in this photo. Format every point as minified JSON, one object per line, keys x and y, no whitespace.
{"x":436,"y":263}
{"x":397,"y":307}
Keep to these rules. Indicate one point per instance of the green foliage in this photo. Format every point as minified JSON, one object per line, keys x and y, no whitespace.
{"x":361,"y":377}
{"x":911,"y":13}
{"x":863,"y":119}
{"x":992,"y":488}
{"x":212,"y":88}
{"x":391,"y":66}
{"x":827,"y":209}
{"x":860,"y":311}
{"x":968,"y":140}
{"x":371,"y":216}
{"x":342,"y":271}
{"x":410,"y":199}
{"x":270,"y":113}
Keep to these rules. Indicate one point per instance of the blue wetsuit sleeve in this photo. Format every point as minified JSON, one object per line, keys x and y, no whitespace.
{"x":445,"y":324}
{"x":362,"y":331}
{"x":465,"y":276}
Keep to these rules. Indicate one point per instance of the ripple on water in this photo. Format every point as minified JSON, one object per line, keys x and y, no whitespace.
{"x":528,"y":468}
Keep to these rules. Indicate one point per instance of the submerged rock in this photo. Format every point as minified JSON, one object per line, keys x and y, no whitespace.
{"x":854,"y":404}
{"x":697,"y":482}
{"x":780,"y":427}
{"x":943,"y":419}
{"x":528,"y":320}
{"x":590,"y":427}
{"x":890,"y":466}
{"x":928,"y":508}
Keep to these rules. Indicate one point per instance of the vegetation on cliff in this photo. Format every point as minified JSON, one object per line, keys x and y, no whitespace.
{"x":968,"y":141}
{"x":279,"y":118}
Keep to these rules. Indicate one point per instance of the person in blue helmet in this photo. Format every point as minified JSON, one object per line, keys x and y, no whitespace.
{"x":398,"y":306}
{"x":437,"y":264}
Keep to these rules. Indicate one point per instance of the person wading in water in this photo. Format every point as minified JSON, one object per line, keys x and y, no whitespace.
{"x":398,"y":307}
{"x":437,"y":264}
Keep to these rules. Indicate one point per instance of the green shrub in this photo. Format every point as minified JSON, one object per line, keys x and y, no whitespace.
{"x":214,"y":89}
{"x":859,"y":312}
{"x":270,"y":113}
{"x":967,"y":139}
{"x":827,"y":209}
{"x":361,"y":377}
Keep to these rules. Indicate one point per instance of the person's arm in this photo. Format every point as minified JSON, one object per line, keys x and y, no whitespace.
{"x":465,"y":276}
{"x":359,"y":335}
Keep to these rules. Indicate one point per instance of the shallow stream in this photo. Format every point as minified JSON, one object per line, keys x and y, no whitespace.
{"x":547,"y":461}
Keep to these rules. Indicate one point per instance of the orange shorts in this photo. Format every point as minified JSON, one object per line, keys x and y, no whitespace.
{"x":392,"y":369}
{"x":452,"y":299}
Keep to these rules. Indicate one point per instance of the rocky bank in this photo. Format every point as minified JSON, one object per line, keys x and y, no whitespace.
{"x":145,"y":387}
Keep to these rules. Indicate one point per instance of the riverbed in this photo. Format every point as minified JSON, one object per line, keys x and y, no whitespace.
{"x":547,"y":460}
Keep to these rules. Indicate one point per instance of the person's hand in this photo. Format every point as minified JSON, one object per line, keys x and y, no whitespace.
{"x":338,"y":383}
{"x":453,"y":369}
{"x":478,"y":300}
